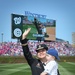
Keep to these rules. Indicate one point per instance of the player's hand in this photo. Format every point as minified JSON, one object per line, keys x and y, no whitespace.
{"x":43,"y":73}
{"x":25,"y":33}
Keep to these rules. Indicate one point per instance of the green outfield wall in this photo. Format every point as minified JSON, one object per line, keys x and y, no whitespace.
{"x":21,"y":59}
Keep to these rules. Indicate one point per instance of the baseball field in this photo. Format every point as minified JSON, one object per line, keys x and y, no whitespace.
{"x":65,"y":68}
{"x":49,"y":30}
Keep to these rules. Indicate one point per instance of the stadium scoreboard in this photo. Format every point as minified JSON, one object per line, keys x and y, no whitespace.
{"x":19,"y":23}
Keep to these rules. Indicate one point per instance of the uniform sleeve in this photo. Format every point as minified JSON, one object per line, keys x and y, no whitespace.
{"x":26,"y":52}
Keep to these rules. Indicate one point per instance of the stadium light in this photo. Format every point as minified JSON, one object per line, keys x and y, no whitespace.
{"x":2,"y":36}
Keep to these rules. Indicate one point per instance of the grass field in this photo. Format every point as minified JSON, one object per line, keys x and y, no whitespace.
{"x":65,"y":68}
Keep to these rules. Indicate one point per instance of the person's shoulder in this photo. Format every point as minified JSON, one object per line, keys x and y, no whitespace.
{"x":53,"y":62}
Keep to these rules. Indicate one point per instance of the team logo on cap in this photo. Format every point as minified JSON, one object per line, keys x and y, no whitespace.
{"x":40,"y":47}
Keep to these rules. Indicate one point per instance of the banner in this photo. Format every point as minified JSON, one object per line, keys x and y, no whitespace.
{"x":17,"y":23}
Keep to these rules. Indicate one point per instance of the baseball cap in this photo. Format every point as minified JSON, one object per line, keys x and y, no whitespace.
{"x":54,"y":53}
{"x":41,"y":46}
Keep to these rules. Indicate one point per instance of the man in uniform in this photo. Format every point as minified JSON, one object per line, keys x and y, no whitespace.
{"x":34,"y":63}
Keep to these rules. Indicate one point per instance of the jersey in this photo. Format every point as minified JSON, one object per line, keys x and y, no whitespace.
{"x":51,"y":68}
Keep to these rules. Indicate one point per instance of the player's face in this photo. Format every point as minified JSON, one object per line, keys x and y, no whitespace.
{"x":49,"y":57}
{"x":41,"y":53}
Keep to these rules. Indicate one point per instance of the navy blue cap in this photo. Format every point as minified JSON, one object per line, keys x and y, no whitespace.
{"x":54,"y":53}
{"x":41,"y":46}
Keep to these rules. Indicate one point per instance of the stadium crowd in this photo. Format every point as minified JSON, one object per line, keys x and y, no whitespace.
{"x":15,"y":49}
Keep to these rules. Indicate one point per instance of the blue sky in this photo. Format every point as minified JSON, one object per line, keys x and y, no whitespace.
{"x":63,"y":11}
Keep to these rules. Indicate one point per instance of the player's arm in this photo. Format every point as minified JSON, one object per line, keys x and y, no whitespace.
{"x":25,"y":47}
